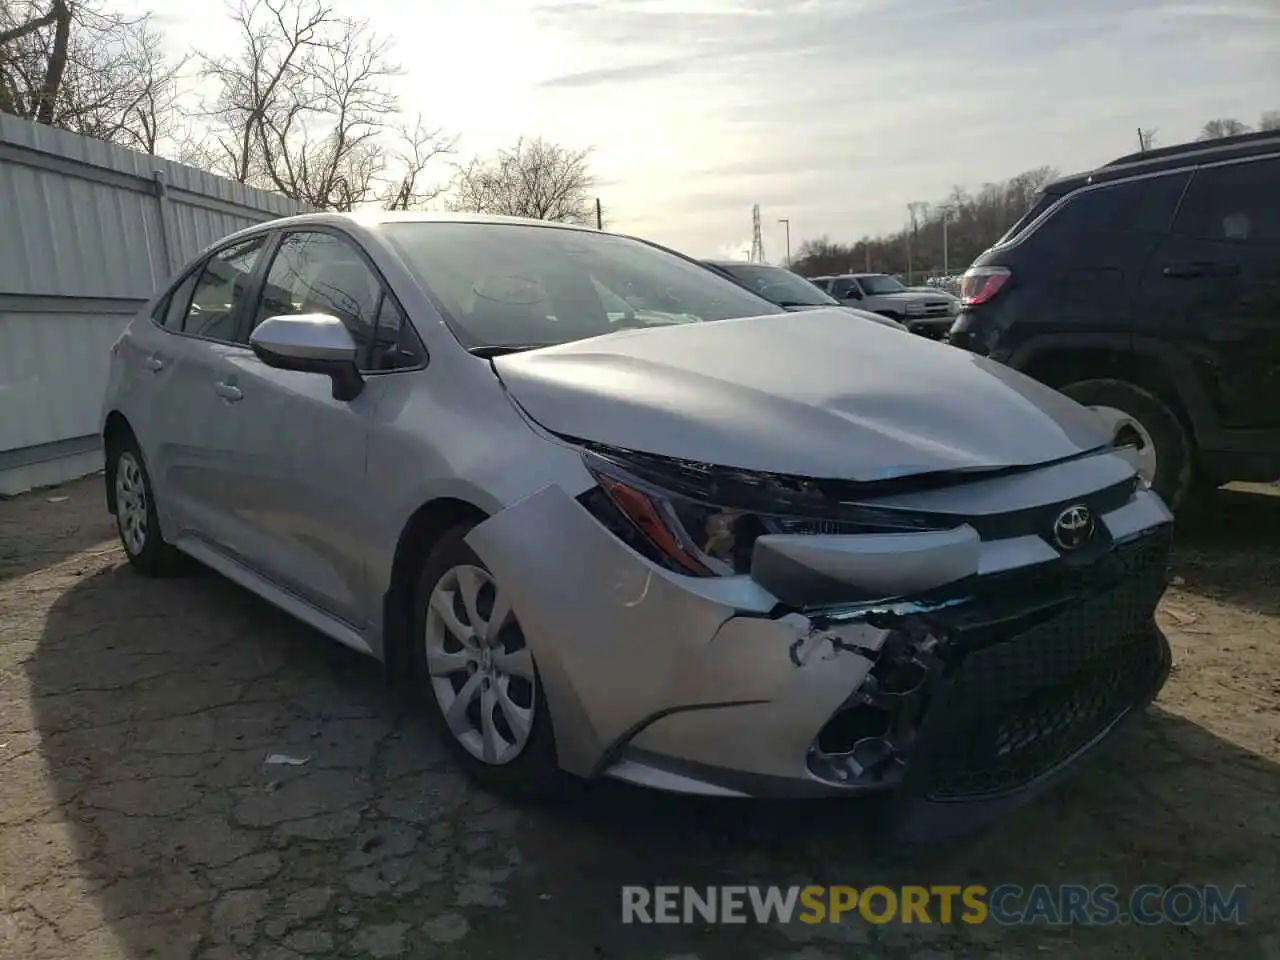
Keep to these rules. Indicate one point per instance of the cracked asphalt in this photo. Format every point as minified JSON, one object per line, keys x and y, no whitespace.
{"x":140,"y":817}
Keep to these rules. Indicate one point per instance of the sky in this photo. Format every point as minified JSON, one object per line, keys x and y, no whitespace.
{"x":833,"y":114}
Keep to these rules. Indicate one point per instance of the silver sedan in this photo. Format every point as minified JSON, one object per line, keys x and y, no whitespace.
{"x":610,"y":514}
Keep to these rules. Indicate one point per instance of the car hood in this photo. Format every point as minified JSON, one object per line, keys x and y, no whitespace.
{"x":864,"y":314}
{"x":807,"y":394}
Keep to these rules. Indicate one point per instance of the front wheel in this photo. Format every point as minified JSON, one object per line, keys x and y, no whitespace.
{"x":1164,"y":452}
{"x":477,"y":674}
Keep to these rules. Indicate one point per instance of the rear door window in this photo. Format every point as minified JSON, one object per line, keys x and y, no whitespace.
{"x":220,"y":291}
{"x":1238,"y":202}
{"x":176,"y":304}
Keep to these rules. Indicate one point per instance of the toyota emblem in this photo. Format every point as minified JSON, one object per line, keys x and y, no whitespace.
{"x":1074,"y":527}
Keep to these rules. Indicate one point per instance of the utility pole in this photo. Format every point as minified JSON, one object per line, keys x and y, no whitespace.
{"x":787,"y":223}
{"x":914,"y":209}
{"x":946,"y":259}
{"x":599,"y":215}
{"x":946,"y":255}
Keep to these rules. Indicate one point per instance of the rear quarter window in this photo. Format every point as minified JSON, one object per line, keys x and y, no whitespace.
{"x":1143,"y":206}
{"x":1039,"y":206}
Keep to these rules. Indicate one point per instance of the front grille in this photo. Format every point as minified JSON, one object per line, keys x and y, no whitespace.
{"x":1019,"y":698}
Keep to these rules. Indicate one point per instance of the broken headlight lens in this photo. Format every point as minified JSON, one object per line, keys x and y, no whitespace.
{"x":694,"y":537}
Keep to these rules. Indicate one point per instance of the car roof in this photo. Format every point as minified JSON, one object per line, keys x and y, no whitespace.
{"x":369,"y":218}
{"x":373,"y":219}
{"x":1175,"y":157}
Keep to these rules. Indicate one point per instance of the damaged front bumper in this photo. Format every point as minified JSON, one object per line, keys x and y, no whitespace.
{"x":1001,"y":669}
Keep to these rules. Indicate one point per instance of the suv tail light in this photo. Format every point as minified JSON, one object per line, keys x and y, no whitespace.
{"x":979,"y":285}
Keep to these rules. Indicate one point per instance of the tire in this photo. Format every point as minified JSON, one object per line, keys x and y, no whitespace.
{"x":531,"y":770}
{"x":1175,"y":458}
{"x":137,"y":521}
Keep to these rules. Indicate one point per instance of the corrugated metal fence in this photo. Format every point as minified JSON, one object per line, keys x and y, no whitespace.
{"x":88,"y":232}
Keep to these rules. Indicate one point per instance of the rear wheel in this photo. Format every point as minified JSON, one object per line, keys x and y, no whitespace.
{"x":136,"y":517}
{"x":1165,"y":454}
{"x":477,"y":674}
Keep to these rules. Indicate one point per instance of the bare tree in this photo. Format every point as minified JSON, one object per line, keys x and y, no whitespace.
{"x":325,"y":149}
{"x":22,"y":19}
{"x":534,"y":178}
{"x":266,"y":82}
{"x":1270,"y":120}
{"x":94,"y":73}
{"x":305,"y":107}
{"x":974,"y":221}
{"x":420,"y":147}
{"x":1222,"y":127}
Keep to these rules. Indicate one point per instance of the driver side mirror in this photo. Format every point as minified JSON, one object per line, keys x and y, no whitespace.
{"x":311,"y":343}
{"x":853,"y":293}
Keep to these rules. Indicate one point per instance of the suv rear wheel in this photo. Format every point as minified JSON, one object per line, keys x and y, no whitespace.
{"x":1165,"y":457}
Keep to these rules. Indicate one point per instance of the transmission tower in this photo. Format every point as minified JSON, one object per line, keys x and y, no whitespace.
{"x":757,"y":240}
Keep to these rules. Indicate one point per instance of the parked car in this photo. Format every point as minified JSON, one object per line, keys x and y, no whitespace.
{"x":689,"y":542}
{"x":928,"y":313}
{"x":1149,"y":289}
{"x":787,"y":289}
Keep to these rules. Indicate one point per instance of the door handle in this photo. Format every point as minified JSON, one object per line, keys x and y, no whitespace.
{"x":228,"y":392}
{"x":154,"y":364}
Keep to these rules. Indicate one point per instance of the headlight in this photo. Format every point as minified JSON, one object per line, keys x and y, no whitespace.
{"x":690,"y":535}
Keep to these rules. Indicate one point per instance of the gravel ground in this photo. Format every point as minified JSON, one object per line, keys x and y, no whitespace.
{"x":138,"y":817}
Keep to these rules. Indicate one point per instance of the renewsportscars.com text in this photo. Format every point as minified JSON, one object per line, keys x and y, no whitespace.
{"x":1006,"y":904}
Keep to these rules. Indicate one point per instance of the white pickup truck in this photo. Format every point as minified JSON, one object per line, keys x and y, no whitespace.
{"x":929,"y":314}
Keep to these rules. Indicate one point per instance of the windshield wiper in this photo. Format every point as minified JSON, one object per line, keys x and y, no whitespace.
{"x":802,"y":303}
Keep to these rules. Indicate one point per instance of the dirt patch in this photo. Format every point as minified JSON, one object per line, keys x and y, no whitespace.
{"x":139,"y":816}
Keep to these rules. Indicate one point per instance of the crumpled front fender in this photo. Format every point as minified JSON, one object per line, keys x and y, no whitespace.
{"x":611,"y":635}
{"x":619,"y":641}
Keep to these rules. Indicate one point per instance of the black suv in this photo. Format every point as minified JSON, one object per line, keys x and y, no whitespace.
{"x":1149,"y":290}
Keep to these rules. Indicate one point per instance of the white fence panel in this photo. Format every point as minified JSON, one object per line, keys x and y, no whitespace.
{"x":88,"y":232}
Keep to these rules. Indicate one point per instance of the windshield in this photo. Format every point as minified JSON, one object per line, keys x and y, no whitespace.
{"x":516,"y":286}
{"x":878,"y":284}
{"x":779,"y":286}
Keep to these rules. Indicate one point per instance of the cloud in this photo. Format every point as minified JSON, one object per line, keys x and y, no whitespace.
{"x":836,"y":113}
{"x":832,"y":113}
{"x":603,"y":75}
{"x":734,"y":251}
